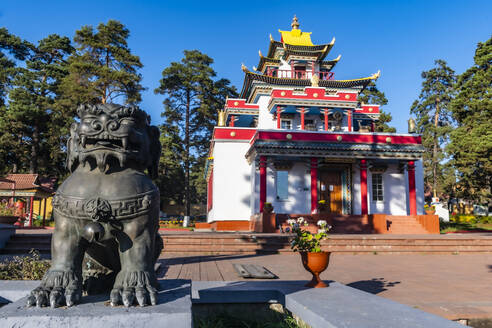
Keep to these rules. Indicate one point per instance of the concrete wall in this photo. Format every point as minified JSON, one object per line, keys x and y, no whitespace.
{"x":6,"y":231}
{"x":231,"y":182}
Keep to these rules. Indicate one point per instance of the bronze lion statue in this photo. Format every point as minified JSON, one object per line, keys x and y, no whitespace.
{"x":106,"y":212}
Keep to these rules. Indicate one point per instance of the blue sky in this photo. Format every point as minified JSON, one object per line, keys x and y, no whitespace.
{"x":400,"y":38}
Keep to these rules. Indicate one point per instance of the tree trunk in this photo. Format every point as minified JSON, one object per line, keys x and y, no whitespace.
{"x":187,"y":153}
{"x":434,"y":155}
{"x":33,"y":163}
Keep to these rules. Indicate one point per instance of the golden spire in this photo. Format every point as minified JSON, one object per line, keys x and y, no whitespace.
{"x":295,"y":23}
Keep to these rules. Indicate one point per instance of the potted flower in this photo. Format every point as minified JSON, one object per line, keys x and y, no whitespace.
{"x":267,"y":207}
{"x":7,"y":213}
{"x":430,"y":209}
{"x":308,"y":244}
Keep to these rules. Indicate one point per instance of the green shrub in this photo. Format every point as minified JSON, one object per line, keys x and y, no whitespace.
{"x":225,"y":320}
{"x":29,"y":267}
{"x":485,"y":219}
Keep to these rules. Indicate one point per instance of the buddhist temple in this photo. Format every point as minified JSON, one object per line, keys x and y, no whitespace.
{"x":300,"y":142}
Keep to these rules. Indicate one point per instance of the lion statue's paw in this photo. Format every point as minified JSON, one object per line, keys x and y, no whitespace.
{"x":131,"y":286}
{"x":58,"y":288}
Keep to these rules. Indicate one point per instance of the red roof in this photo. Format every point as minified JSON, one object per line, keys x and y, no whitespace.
{"x":26,"y":181}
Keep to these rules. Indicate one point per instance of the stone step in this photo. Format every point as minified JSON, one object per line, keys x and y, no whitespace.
{"x":349,"y":243}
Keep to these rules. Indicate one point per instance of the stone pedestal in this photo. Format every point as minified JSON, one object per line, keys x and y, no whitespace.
{"x":173,"y":310}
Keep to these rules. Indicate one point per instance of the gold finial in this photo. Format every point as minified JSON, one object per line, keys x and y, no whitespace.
{"x":295,"y":23}
{"x":376,"y":75}
{"x":271,"y":38}
{"x":412,"y":127}
{"x":332,"y":41}
{"x":259,"y":53}
{"x":244,"y":68}
{"x":338,"y":58}
{"x":222,"y":117}
{"x":315,"y":80}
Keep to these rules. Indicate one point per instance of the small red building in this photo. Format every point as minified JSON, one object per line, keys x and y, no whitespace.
{"x":36,"y":191}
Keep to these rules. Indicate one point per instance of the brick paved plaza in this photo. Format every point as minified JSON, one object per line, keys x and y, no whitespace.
{"x":452,"y":286}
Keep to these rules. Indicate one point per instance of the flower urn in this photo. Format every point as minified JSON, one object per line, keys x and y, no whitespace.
{"x":315,"y":263}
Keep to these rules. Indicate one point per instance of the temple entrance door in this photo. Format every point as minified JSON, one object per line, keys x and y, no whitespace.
{"x":330,"y":190}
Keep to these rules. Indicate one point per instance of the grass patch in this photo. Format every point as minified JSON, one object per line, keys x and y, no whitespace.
{"x":446,"y":227}
{"x":244,"y":315}
{"x":30,"y":267}
{"x":225,"y":320}
{"x":166,"y":225}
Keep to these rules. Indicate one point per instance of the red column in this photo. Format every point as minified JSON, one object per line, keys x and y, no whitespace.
{"x":44,"y":211}
{"x":363,"y":186}
{"x":325,"y":112}
{"x":349,"y":120}
{"x":279,"y":110}
{"x":31,"y":203}
{"x":231,"y":122}
{"x":314,"y":184}
{"x":262,"y":182}
{"x":411,"y":187}
{"x":302,"y":110}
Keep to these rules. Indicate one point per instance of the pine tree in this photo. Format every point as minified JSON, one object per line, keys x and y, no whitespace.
{"x":12,"y":50}
{"x":434,"y":121}
{"x":471,"y":141}
{"x":103,"y":69}
{"x":192,"y":99}
{"x":30,"y":116}
{"x":371,"y":95}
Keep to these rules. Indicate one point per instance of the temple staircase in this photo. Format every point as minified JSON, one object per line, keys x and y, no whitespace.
{"x":222,"y":243}
{"x":23,"y":243}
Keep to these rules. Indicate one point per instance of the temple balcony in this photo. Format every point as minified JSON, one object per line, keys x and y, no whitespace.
{"x":298,"y":74}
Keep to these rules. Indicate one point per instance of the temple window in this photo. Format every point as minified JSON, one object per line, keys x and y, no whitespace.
{"x":282,"y":184}
{"x":377,"y":187}
{"x":310,"y":125}
{"x":300,"y":72}
{"x":286,"y":124}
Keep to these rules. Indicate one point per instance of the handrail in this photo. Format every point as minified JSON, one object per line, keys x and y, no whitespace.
{"x":298,"y":74}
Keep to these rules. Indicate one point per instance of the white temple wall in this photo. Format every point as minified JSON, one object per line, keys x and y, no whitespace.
{"x":394,"y":191}
{"x":255,"y":189}
{"x":231,"y":182}
{"x":299,"y":190}
{"x":419,"y":186}
{"x":356,"y":209}
{"x":265,"y":119}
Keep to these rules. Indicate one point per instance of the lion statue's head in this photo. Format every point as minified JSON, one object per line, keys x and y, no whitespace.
{"x":111,"y":136}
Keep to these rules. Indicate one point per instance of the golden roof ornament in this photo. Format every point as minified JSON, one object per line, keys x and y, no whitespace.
{"x":412,"y":126}
{"x":222,"y":117}
{"x":295,"y":23}
{"x":315,"y":80}
{"x":375,"y":76}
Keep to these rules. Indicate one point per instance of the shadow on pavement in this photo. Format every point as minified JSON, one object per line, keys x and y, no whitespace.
{"x":373,"y":286}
